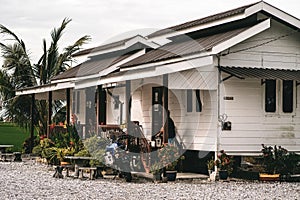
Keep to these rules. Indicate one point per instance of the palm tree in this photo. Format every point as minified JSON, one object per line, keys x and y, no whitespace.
{"x":52,"y":63}
{"x":23,"y":74}
{"x":16,"y":73}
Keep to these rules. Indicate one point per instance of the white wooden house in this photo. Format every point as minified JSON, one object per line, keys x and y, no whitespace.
{"x":230,"y":81}
{"x":224,"y":62}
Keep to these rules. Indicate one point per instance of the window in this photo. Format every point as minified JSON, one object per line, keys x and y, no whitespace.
{"x":190,"y":96}
{"x":198,"y":101}
{"x":116,"y":101}
{"x":287,"y":96}
{"x":270,"y":96}
{"x":78,"y":102}
{"x":283,"y":98}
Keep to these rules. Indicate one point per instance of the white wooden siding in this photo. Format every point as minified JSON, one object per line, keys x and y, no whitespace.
{"x":203,"y":78}
{"x":251,"y":126}
{"x":277,"y":47}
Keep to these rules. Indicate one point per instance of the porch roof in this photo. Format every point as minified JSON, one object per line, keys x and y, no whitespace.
{"x":261,"y":73}
{"x":41,"y":92}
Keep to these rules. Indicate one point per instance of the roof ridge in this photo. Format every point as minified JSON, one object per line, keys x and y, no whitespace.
{"x":201,"y":20}
{"x":105,"y":46}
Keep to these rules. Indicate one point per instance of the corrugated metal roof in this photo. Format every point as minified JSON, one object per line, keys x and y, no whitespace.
{"x":184,"y":47}
{"x":93,"y":66}
{"x":103,"y":47}
{"x":262,"y":73}
{"x":200,"y":21}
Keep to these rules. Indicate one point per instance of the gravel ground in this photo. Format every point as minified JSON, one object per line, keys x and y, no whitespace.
{"x":31,"y":180}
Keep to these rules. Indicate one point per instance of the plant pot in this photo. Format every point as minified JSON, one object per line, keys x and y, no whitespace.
{"x":171,"y":175}
{"x":212,"y":176}
{"x":269,"y":177}
{"x":157,"y":176}
{"x":223,"y":174}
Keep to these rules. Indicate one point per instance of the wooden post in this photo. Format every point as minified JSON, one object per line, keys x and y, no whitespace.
{"x":166,"y":107}
{"x":68,"y":106}
{"x":49,"y":112}
{"x":101,"y":106}
{"x":32,"y":122}
{"x":128,"y":104}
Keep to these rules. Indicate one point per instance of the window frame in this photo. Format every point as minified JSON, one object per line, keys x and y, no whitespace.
{"x":279,"y":99}
{"x":276,"y":96}
{"x":192,"y":101}
{"x":281,"y":112}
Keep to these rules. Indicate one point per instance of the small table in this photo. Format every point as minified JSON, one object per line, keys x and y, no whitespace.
{"x":5,"y":146}
{"x":79,"y":162}
{"x":6,"y":156}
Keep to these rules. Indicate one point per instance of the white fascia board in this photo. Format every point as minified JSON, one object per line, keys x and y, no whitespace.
{"x":117,"y":65}
{"x":165,"y":62}
{"x":159,"y":70}
{"x":273,"y":11}
{"x":64,"y":80}
{"x":242,"y":36}
{"x":200,"y":27}
{"x":127,"y":44}
{"x":46,"y":88}
{"x":140,"y":39}
{"x":86,"y":83}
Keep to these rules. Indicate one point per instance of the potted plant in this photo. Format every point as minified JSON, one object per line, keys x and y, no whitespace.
{"x":210,"y":165}
{"x":224,"y":163}
{"x":156,"y":169}
{"x":277,"y":162}
{"x":169,"y":156}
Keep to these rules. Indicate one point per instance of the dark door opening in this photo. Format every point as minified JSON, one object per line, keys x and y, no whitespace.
{"x":157,"y":109}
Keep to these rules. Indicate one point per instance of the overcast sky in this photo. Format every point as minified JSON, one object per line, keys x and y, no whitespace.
{"x":33,"y":20}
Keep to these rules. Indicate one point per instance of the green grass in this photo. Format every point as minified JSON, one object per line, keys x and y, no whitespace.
{"x":12,"y":134}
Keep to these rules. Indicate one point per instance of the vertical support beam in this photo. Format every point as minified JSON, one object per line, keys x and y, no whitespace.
{"x":166,"y":107}
{"x":99,"y":92}
{"x":101,"y":106}
{"x":128,"y":104}
{"x":219,"y":127}
{"x":49,"y":112}
{"x":98,"y":121}
{"x":68,"y":110}
{"x":32,"y":122}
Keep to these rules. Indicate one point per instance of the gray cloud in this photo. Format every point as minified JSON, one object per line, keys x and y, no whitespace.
{"x":33,"y":20}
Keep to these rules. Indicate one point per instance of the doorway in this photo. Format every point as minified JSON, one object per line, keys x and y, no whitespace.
{"x":157,"y":109}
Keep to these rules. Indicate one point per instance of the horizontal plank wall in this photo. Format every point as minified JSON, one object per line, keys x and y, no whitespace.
{"x":277,"y":47}
{"x":197,"y":130}
{"x":251,"y":126}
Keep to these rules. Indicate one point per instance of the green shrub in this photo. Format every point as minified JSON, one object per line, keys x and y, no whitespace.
{"x":37,"y":150}
{"x":279,"y":160}
{"x":96,"y":146}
